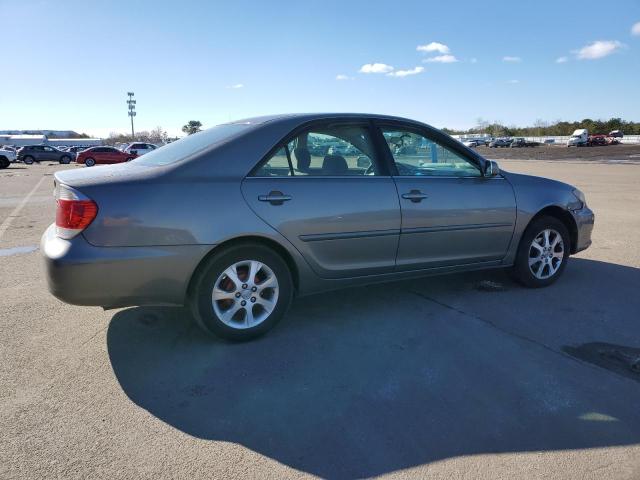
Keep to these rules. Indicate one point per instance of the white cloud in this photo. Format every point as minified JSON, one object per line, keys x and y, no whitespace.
{"x":434,"y":47}
{"x":511,"y":59}
{"x":343,"y":77}
{"x":376,"y":68}
{"x":442,"y":59}
{"x":405,"y":73}
{"x":635,"y":30}
{"x":562,"y":59}
{"x":236,"y":86}
{"x":513,"y":82}
{"x":598,"y":49}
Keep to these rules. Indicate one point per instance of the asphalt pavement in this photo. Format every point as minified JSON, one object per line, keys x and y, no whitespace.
{"x":459,"y":377}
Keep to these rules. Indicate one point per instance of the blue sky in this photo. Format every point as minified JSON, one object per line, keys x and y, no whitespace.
{"x":69,"y":64}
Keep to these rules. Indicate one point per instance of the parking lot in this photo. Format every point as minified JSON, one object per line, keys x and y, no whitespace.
{"x":460,"y":376}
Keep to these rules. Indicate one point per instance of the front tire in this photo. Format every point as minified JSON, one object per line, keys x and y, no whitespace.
{"x":543,"y":253}
{"x":89,"y":162}
{"x":241,"y":292}
{"x":65,"y":160}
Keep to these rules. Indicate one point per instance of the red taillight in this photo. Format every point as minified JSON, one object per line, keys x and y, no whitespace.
{"x":74,"y":211}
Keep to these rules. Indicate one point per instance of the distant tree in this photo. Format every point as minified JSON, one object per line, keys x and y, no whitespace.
{"x":542,"y":128}
{"x":194,"y":126}
{"x":158,"y":135}
{"x":482,"y":125}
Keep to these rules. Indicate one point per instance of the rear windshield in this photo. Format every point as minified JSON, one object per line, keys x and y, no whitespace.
{"x":190,"y":145}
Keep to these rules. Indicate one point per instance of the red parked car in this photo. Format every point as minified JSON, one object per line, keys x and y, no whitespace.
{"x":597,"y":140}
{"x":103,"y":155}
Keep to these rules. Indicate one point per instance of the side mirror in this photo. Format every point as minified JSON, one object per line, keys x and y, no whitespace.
{"x":491,"y":169}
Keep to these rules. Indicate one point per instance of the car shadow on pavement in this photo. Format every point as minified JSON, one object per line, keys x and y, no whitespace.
{"x":366,"y":381}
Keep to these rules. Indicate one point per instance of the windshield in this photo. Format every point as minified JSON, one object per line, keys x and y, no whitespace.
{"x":190,"y":145}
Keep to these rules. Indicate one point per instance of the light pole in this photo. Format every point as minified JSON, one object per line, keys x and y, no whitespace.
{"x":132,"y":112}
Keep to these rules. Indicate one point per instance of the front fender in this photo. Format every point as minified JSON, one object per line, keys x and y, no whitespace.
{"x":534,"y":194}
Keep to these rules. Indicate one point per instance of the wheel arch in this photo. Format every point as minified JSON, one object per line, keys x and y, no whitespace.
{"x":565,"y":217}
{"x":265,"y":241}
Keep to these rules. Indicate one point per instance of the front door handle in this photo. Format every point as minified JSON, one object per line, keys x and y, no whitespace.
{"x":275,"y":198}
{"x":415,"y":196}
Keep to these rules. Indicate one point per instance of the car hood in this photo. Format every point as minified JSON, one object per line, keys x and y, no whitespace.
{"x":545,"y":190}
{"x":520,"y":179}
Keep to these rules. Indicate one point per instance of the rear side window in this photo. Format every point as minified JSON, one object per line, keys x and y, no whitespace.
{"x":279,"y":165}
{"x":325,"y":151}
{"x":191,"y":144}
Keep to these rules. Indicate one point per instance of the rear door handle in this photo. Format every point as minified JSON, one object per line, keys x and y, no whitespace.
{"x":275,"y":198}
{"x":414,"y":195}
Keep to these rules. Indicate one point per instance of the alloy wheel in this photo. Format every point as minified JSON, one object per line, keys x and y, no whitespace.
{"x":546,"y":254}
{"x":245,"y":294}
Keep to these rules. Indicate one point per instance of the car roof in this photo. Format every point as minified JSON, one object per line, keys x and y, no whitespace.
{"x":309,"y":117}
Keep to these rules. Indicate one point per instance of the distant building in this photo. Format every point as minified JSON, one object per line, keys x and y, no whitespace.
{"x":47,"y":133}
{"x":20,"y":140}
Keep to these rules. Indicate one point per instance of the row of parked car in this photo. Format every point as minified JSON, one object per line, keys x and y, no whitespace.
{"x":89,"y":156}
{"x":580,"y":137}
{"x":504,"y":142}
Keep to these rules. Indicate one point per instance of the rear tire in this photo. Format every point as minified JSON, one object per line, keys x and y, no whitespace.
{"x":543,"y":253}
{"x":66,"y":160}
{"x":28,"y":160}
{"x":248,"y":306}
{"x":89,"y":162}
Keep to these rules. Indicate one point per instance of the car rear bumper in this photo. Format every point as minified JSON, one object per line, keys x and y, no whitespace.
{"x":83,"y":274}
{"x":584,"y":221}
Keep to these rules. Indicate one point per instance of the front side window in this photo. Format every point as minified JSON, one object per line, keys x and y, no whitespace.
{"x":330,"y":150}
{"x":416,"y":155}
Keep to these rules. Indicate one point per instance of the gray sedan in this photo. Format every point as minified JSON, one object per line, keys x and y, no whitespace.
{"x":236,"y":220}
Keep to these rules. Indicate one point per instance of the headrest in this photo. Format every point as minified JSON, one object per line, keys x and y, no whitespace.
{"x":303,"y":159}
{"x":334,"y":165}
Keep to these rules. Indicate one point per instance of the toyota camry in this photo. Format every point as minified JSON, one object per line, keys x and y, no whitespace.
{"x":236,"y":220}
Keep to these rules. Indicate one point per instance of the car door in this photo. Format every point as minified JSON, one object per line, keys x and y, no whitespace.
{"x":47,"y":153}
{"x":110,"y":155}
{"x":451,"y":214}
{"x":97,"y":154}
{"x":104,"y":155}
{"x":340,"y":210}
{"x":50,"y":154}
{"x":39,"y":153}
